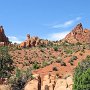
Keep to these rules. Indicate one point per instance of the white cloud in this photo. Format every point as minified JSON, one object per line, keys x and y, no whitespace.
{"x":57,"y":36}
{"x":67,"y":23}
{"x":14,"y":39}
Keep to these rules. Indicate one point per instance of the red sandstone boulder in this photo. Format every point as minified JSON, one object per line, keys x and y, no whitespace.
{"x":5,"y":87}
{"x":34,"y":84}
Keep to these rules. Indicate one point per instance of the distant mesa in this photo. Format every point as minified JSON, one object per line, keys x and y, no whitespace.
{"x":3,"y":39}
{"x":78,"y":34}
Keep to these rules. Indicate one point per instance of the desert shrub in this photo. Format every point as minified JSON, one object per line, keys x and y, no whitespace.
{"x":78,"y":43}
{"x":80,"y":54}
{"x":18,"y":48}
{"x":26,"y":58}
{"x":6,"y":62}
{"x":45,"y":63}
{"x":68,"y":51}
{"x":83,"y":50}
{"x":59,"y":60}
{"x":88,"y":57}
{"x":55,"y":69}
{"x":55,"y":48}
{"x":35,"y":65}
{"x":82,"y":75}
{"x":26,"y":64}
{"x":71,"y":63}
{"x":42,"y":49}
{"x":20,"y":78}
{"x":72,"y":59}
{"x":84,"y":80}
{"x":65,"y":43}
{"x":63,"y":63}
{"x":18,"y":73}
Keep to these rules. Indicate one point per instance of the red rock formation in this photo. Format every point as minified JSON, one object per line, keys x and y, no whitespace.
{"x":49,"y":82}
{"x":3,"y":39}
{"x":78,"y":34}
{"x":33,"y":42}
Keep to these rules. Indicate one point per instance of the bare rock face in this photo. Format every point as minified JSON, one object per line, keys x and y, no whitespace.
{"x":78,"y":34}
{"x":5,"y":87}
{"x":49,"y":82}
{"x":61,"y":84}
{"x":3,"y":39}
{"x":34,"y":84}
{"x":33,"y":42}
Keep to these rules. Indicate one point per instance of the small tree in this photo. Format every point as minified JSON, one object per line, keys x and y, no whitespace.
{"x":82,"y":75}
{"x":20,"y":79}
{"x":5,"y":63}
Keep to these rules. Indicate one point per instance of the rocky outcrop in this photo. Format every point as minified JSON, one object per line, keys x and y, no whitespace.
{"x":78,"y":34}
{"x":34,"y":84}
{"x":49,"y":82}
{"x":3,"y":39}
{"x":33,"y":42}
{"x":5,"y":87}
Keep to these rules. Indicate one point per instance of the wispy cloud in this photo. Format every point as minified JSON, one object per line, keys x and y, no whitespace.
{"x":14,"y":39}
{"x":57,"y":36}
{"x":67,"y":23}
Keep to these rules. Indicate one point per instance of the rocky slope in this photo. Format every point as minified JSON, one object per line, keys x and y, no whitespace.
{"x":3,"y":39}
{"x":52,"y":65}
{"x":78,"y":34}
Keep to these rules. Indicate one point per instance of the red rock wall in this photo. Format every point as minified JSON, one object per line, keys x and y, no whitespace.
{"x":3,"y":39}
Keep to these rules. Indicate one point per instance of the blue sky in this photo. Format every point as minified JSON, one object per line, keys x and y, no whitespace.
{"x":48,"y":19}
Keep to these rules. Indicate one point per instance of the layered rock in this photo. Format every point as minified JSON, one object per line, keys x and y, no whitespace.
{"x":78,"y":34}
{"x":34,"y":84}
{"x":33,"y":41}
{"x":49,"y":82}
{"x":3,"y":39}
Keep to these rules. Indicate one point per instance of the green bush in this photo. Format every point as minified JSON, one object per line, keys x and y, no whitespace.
{"x":6,"y":63}
{"x":20,"y":78}
{"x":68,"y":51}
{"x":85,"y":80}
{"x":72,"y":59}
{"x":45,"y":63}
{"x":55,"y":48}
{"x":82,"y":75}
{"x":35,"y":65}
